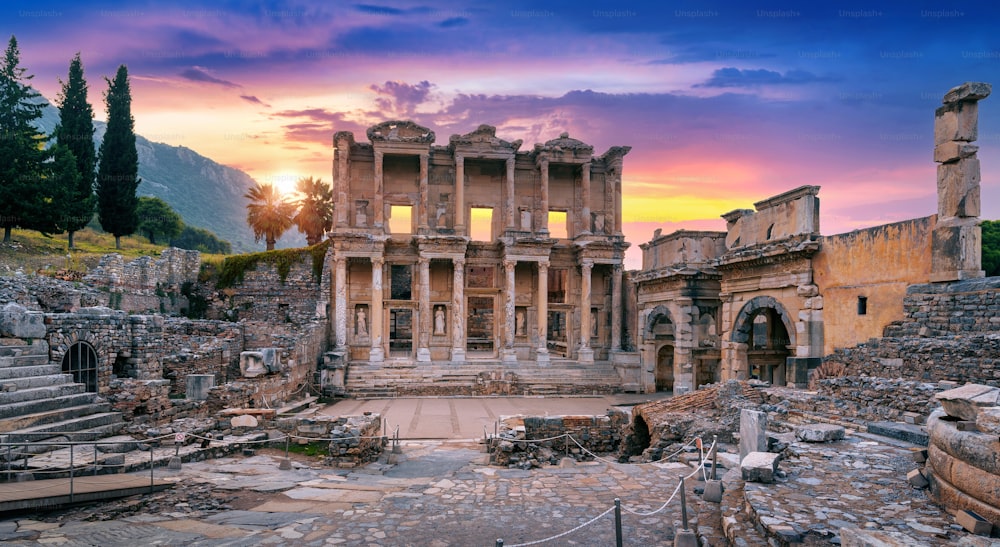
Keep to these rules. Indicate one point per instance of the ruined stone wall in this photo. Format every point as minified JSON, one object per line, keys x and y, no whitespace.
{"x":875,"y":264}
{"x":263,"y":295}
{"x":862,"y":398}
{"x":793,"y":213}
{"x":42,"y":293}
{"x":515,"y":444}
{"x":147,"y":284}
{"x":949,"y":332}
{"x":145,"y":403}
{"x":200,"y":347}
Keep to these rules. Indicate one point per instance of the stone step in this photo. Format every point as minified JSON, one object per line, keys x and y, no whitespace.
{"x":46,"y":404}
{"x":72,"y":429}
{"x":40,"y":393}
{"x":26,"y":371}
{"x":23,"y":360}
{"x":36,"y":347}
{"x":738,"y":521}
{"x":39,"y":381}
{"x":910,"y":433}
{"x":58,"y":414}
{"x":81,"y":436}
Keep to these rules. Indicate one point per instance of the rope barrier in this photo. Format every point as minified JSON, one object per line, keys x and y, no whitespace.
{"x":567,"y":532}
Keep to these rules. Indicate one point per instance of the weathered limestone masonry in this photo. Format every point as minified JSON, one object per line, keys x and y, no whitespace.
{"x":200,"y":347}
{"x":678,"y":310}
{"x":512,"y":445}
{"x":145,"y":284}
{"x":42,"y":293}
{"x":475,"y":251}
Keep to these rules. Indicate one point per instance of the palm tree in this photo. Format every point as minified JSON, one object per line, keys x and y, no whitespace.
{"x":315,"y":208}
{"x":268,"y":214}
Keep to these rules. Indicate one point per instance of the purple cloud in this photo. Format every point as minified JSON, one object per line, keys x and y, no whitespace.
{"x":400,"y":97}
{"x":197,"y":74}
{"x":735,"y":77}
{"x":254,"y":100}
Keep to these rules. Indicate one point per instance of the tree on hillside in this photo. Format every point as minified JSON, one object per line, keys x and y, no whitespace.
{"x":52,"y":191}
{"x":315,"y":215}
{"x":76,"y":132}
{"x":118,"y":168}
{"x":268,"y":214}
{"x":991,"y":247}
{"x":198,"y":239}
{"x":22,"y":153}
{"x":157,"y":218}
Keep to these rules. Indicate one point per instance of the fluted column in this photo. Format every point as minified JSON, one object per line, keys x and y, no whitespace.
{"x":458,"y":311}
{"x":585,"y":354}
{"x":424,"y":337}
{"x":341,"y":158}
{"x":542,"y":303}
{"x":422,"y":208}
{"x":379,"y":191}
{"x":509,"y":212}
{"x":508,"y":353}
{"x":340,"y":301}
{"x":585,"y":197}
{"x":459,"y":195}
{"x":543,"y":223}
{"x":377,"y":354}
{"x":616,"y":308}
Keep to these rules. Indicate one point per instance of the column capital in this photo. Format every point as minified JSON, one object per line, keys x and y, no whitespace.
{"x":459,"y":160}
{"x":543,"y":163}
{"x":458,"y":262}
{"x":543,"y":265}
{"x":424,"y":156}
{"x":423,"y":261}
{"x":338,"y":260}
{"x":378,"y":261}
{"x":509,"y":264}
{"x":587,"y":263}
{"x":379,"y":155}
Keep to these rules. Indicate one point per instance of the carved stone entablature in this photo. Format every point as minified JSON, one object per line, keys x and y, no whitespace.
{"x":348,"y":244}
{"x":675,"y":272}
{"x":343,"y":136}
{"x":485,"y":139}
{"x":396,"y":131}
{"x":527,"y":250}
{"x":601,"y":250}
{"x":786,"y":197}
{"x":565,"y":150}
{"x":443,"y":247}
{"x":615,"y":154}
{"x":763,"y":255}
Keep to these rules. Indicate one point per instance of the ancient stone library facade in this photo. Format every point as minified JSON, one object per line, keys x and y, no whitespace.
{"x":476,"y":250}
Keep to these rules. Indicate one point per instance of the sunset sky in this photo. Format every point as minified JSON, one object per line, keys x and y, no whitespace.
{"x":723,"y":103}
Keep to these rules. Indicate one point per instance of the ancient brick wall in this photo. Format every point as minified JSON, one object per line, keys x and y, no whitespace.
{"x":41,"y":293}
{"x":264,"y":294}
{"x":527,"y":441}
{"x":147,"y":284}
{"x":200,"y":347}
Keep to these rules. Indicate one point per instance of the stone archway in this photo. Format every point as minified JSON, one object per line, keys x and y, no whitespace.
{"x":81,"y":361}
{"x":665,"y":368}
{"x":764,"y":327}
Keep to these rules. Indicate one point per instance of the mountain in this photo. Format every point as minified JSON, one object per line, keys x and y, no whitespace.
{"x":206,"y":194}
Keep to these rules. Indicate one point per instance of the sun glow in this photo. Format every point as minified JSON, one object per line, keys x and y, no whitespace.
{"x":283,"y":181}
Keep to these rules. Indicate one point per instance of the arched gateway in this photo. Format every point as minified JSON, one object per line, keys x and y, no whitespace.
{"x":766,"y":331}
{"x":80,"y":360}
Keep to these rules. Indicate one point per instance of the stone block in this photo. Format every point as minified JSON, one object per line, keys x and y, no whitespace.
{"x":245,"y":420}
{"x":753,"y":432}
{"x":988,"y":420}
{"x":759,"y":467}
{"x":964,"y":402}
{"x":955,"y":251}
{"x":819,"y":433}
{"x":919,"y":455}
{"x":956,"y":122}
{"x":950,"y":151}
{"x":969,"y":91}
{"x":858,"y":537}
{"x":197,"y":386}
{"x":713,"y":492}
{"x":272,"y":359}
{"x":252,"y":364}
{"x":974,"y":523}
{"x":913,"y":417}
{"x":958,"y":188}
{"x":17,"y":322}
{"x":917,"y":479}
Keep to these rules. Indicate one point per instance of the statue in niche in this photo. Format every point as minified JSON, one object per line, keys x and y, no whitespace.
{"x":442,"y":210}
{"x":526,"y":220}
{"x":361,"y":215}
{"x":439,"y":321}
{"x":519,"y":323}
{"x":361,"y":322}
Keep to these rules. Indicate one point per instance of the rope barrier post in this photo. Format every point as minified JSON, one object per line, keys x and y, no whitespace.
{"x":685,"y":537}
{"x":71,"y":473}
{"x":713,"y":487}
{"x":151,"y":468}
{"x":499,"y":542}
{"x":618,"y":522}
{"x":9,"y":461}
{"x":286,"y":463}
{"x":95,"y":459}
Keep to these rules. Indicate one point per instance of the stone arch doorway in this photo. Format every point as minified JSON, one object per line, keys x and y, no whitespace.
{"x":665,"y":368}
{"x":660,"y":334}
{"x":81,"y":361}
{"x":765,"y":329}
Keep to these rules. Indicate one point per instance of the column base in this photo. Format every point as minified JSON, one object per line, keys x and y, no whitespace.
{"x":376,"y":355}
{"x":508,"y":355}
{"x":458,"y":354}
{"x":585,"y":355}
{"x":542,"y":356}
{"x":423,"y":355}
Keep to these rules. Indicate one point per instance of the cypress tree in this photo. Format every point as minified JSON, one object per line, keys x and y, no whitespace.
{"x":52,"y":191}
{"x":118,"y":166}
{"x":22,"y":153}
{"x":76,"y":132}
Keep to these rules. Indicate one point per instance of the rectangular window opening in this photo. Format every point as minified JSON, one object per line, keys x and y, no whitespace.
{"x":862,"y":305}
{"x":481,"y":224}
{"x":558,"y":228}
{"x":401,"y":282}
{"x":401,"y":219}
{"x":557,"y":285}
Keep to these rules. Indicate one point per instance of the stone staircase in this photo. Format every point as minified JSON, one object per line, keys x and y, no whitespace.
{"x":390,"y":379}
{"x":39,"y":403}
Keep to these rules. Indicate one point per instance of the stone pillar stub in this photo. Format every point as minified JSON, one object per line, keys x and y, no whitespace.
{"x":753,"y":432}
{"x":585,"y":353}
{"x":458,"y":311}
{"x":423,"y":340}
{"x":377,"y":354}
{"x":198,"y":385}
{"x":340,"y":302}
{"x":542,"y":298}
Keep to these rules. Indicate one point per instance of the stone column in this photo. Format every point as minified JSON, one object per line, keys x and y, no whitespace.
{"x":542,"y":303}
{"x":424,"y":336}
{"x":510,"y":194}
{"x":379,"y":191}
{"x":616,"y":308}
{"x":459,"y":195}
{"x":585,"y":197}
{"x":377,"y":354}
{"x":342,"y":173}
{"x":585,"y":354}
{"x":956,"y":241}
{"x":543,"y":222}
{"x":340,"y":302}
{"x":422,"y":208}
{"x":509,"y":355}
{"x":618,"y":203}
{"x":458,"y":311}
